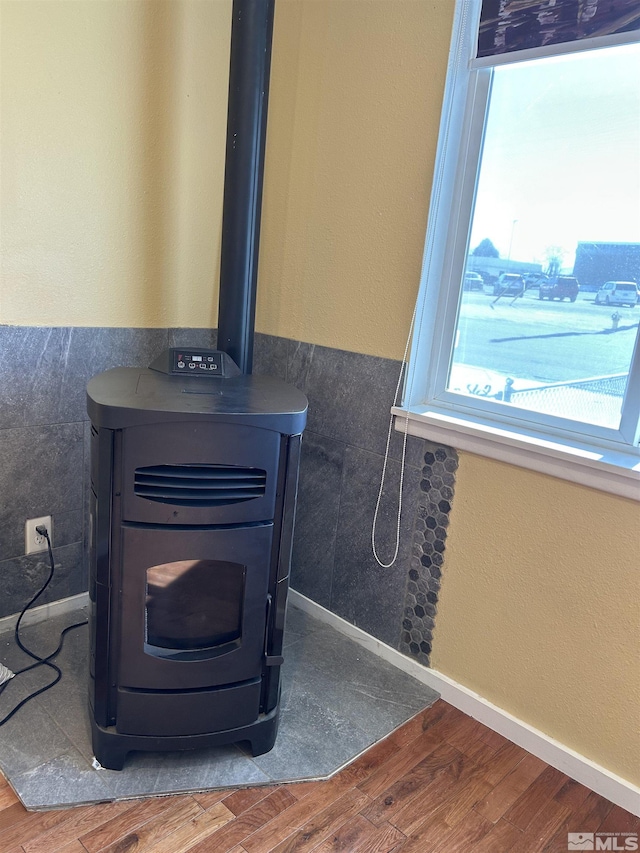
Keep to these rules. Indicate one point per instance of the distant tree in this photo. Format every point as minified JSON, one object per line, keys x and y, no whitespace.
{"x":553,"y":256}
{"x":486,"y":249}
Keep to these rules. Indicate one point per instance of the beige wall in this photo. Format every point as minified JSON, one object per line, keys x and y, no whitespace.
{"x":113,"y":121}
{"x":353,"y":120}
{"x":538,"y":609}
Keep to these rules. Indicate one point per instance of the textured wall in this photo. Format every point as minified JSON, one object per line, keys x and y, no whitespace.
{"x":44,"y":443}
{"x":340,"y":472}
{"x":113,"y":129}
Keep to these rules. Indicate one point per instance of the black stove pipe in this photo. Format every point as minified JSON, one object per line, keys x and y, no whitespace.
{"x":251,"y":36}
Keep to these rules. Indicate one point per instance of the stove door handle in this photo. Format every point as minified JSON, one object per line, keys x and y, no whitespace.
{"x":270,"y":660}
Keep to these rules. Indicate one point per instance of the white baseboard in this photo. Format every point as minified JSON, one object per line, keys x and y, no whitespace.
{"x":46,"y":611}
{"x":583,"y":770}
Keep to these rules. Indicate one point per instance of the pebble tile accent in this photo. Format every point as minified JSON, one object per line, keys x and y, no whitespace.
{"x":429,"y":535}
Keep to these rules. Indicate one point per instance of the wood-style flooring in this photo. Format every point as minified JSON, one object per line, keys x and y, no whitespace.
{"x":442,"y":782}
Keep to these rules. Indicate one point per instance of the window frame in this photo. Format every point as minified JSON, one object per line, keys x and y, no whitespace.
{"x":428,"y":408}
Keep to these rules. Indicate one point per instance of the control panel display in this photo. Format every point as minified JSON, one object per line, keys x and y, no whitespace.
{"x":197,"y":363}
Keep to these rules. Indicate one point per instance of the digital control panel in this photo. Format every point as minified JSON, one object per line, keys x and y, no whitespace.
{"x":196,"y":362}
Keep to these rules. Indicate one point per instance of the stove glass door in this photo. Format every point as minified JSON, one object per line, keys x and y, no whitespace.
{"x":194,"y":604}
{"x":193,"y":607}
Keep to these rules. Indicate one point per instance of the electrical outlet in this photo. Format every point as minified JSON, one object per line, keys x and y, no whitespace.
{"x":33,"y":541}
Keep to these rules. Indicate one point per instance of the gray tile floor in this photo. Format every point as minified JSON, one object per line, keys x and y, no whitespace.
{"x":338,"y":699}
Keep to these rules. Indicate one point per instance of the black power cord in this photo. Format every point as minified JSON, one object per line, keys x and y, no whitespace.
{"x":39,"y":661}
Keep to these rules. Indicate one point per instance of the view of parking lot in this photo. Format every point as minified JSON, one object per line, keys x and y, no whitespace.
{"x":524,"y":342}
{"x":548,"y":316}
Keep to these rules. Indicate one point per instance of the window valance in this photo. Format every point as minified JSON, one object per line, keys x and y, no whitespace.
{"x":508,"y":27}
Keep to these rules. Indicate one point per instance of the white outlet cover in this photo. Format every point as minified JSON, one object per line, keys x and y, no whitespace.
{"x":33,"y":542}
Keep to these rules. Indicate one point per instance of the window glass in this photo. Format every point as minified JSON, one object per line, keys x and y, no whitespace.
{"x":556,"y":216}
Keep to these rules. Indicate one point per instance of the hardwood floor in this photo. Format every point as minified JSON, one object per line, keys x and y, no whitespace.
{"x":442,"y":782}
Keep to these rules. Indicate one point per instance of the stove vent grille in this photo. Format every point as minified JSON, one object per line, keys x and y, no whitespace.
{"x":199,"y":485}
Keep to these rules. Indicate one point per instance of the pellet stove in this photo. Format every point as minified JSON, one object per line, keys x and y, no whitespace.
{"x":194,"y":469}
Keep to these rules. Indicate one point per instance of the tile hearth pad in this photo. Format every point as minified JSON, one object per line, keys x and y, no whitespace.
{"x":338,"y":699}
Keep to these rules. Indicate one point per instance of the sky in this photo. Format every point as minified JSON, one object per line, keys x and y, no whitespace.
{"x":561,"y":160}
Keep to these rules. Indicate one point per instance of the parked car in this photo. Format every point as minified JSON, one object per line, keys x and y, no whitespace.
{"x":562,"y":287}
{"x":507,"y":284}
{"x":534,"y":279}
{"x":618,"y":293}
{"x":473,"y":281}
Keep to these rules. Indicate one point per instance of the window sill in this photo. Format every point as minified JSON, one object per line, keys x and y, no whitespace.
{"x":609,"y":471}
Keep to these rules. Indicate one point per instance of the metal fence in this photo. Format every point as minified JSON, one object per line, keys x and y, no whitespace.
{"x":597,"y":400}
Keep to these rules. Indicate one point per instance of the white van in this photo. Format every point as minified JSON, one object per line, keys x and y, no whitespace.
{"x":618,"y":293}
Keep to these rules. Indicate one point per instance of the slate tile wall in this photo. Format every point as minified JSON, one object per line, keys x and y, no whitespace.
{"x":44,"y":454}
{"x":44,"y":441}
{"x":342,"y":457}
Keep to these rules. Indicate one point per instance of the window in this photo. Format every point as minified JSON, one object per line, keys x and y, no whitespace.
{"x":535,"y":207}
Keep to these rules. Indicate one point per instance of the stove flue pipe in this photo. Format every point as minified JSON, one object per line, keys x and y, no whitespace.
{"x":251,"y":36}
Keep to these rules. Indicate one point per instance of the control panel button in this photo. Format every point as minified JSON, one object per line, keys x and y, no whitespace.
{"x":207,"y":360}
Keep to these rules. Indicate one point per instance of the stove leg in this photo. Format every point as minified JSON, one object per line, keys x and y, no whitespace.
{"x":112,"y":759}
{"x":109,"y":751}
{"x":263,"y":740}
